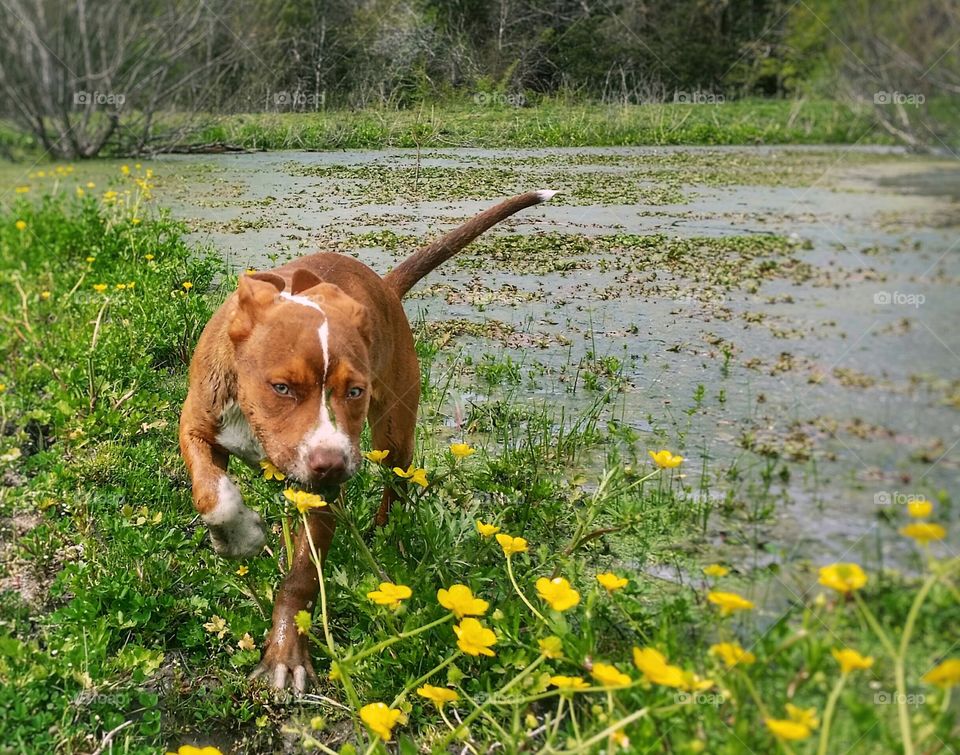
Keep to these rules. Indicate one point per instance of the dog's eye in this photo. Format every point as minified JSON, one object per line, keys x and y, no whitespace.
{"x":355,"y":392}
{"x":282,"y":389}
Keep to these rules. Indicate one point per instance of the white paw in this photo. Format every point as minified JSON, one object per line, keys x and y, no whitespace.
{"x":235,"y":530}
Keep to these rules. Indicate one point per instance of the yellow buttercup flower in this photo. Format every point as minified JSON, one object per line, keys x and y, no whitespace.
{"x":473,"y":638}
{"x":568,"y":682}
{"x":611,"y":582}
{"x":609,"y":676}
{"x":217,"y":625}
{"x":44,"y":295}
{"x":246,"y":642}
{"x":438,"y":695}
{"x":665,"y":460}
{"x":100,"y":287}
{"x":22,"y":189}
{"x":487,"y":530}
{"x":243,"y":570}
{"x":851,"y":660}
{"x":654,"y":667}
{"x":732,"y":654}
{"x":303,"y":500}
{"x":91,"y":259}
{"x":21,"y":225}
{"x":729,"y":602}
{"x":270,"y":472}
{"x":842,"y":577}
{"x":412,"y":473}
{"x":390,"y":594}
{"x":924,"y":532}
{"x":109,"y":196}
{"x":187,"y":285}
{"x":787,"y":730}
{"x":125,"y":169}
{"x":551,"y":647}
{"x":558,"y":593}
{"x":377,"y":456}
{"x":919,"y":509}
{"x":803,"y":716}
{"x":512,"y":545}
{"x":716,"y":570}
{"x":192,"y":750}
{"x":947,"y":674}
{"x":380,"y":719}
{"x":460,"y":600}
{"x":148,"y":257}
{"x":462,"y":450}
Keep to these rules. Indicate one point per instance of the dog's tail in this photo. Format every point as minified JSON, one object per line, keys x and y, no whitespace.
{"x":405,"y":275}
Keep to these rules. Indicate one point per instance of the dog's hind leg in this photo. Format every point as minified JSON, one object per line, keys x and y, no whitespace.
{"x":393,"y":421}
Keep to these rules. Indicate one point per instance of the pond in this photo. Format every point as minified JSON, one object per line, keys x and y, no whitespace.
{"x":786,"y":317}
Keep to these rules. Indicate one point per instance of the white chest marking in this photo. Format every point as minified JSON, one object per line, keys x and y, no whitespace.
{"x":237,"y":437}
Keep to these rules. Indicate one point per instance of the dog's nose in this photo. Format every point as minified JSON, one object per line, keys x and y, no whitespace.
{"x":327,"y":464}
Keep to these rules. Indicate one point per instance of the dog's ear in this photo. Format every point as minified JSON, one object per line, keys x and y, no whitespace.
{"x":254,"y":294}
{"x":303,"y":280}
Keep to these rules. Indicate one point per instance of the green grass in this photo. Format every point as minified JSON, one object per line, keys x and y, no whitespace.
{"x":550,"y":124}
{"x":109,"y":579}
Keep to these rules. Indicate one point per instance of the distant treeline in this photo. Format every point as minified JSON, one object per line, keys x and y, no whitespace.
{"x":82,"y":75}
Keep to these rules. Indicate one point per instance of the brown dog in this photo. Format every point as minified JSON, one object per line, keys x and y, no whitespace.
{"x":287,"y":370}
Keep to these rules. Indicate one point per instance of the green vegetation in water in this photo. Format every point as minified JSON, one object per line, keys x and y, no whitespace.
{"x":119,"y":621}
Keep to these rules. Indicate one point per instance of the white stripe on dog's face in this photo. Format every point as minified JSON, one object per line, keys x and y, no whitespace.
{"x":303,"y":301}
{"x":325,"y":435}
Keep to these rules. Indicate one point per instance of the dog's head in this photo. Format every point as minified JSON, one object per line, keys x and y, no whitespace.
{"x":303,"y":377}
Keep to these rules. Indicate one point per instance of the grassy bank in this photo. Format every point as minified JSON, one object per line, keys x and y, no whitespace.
{"x":118,"y":617}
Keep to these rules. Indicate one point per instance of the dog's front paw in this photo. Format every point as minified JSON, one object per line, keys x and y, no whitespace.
{"x":235,"y":530}
{"x":287,"y":662}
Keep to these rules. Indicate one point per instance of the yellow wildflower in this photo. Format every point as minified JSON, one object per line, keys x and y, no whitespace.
{"x":91,"y":185}
{"x":924,"y":532}
{"x":665,"y":460}
{"x":390,"y":594}
{"x":716,"y":570}
{"x":729,"y":602}
{"x":460,"y":600}
{"x":919,"y":509}
{"x":947,"y":674}
{"x":380,"y":719}
{"x":568,"y":682}
{"x":732,"y":654}
{"x":377,"y":456}
{"x":270,"y":472}
{"x":100,"y":287}
{"x":551,"y":647}
{"x":438,"y":695}
{"x":135,"y":221}
{"x":192,"y":750}
{"x":44,"y":295}
{"x":148,"y":257}
{"x":303,"y":621}
{"x":787,"y":730}
{"x":22,"y":189}
{"x":851,"y":660}
{"x":654,"y":667}
{"x":414,"y":474}
{"x":21,"y":225}
{"x":121,"y":286}
{"x":243,"y":570}
{"x":487,"y":530}
{"x":109,"y":196}
{"x":842,"y":577}
{"x":246,"y":642}
{"x":187,"y":285}
{"x":125,"y":169}
{"x":512,"y":545}
{"x":620,"y":739}
{"x":217,"y":626}
{"x":473,"y":638}
{"x":611,"y":582}
{"x":609,"y":676}
{"x":558,"y":593}
{"x":80,"y":192}
{"x":303,"y":500}
{"x":91,"y":259}
{"x":462,"y":450}
{"x":803,"y":716}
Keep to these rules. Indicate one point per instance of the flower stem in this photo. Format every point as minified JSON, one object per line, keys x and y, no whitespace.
{"x":611,"y":729}
{"x":416,"y":683}
{"x":523,"y":597}
{"x":351,"y":659}
{"x":828,"y":714}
